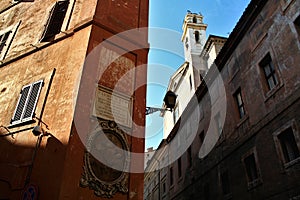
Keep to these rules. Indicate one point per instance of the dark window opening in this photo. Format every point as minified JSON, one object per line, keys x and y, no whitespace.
{"x":201,"y":138}
{"x":297,"y":24}
{"x":197,"y":36}
{"x":191,"y":83}
{"x":269,"y":71}
{"x":3,"y":40}
{"x":55,"y":21}
{"x":288,"y":144}
{"x":239,"y":103}
{"x":251,"y":168}
{"x":189,"y":156}
{"x":179,"y":167}
{"x":164,"y":187}
{"x":225,"y":183}
{"x":171,"y":176}
{"x":194,"y":19}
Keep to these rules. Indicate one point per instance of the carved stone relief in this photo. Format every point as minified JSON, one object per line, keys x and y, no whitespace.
{"x":106,"y":160}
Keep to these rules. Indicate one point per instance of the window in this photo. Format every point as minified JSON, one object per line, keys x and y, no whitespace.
{"x":164,"y":187}
{"x":179,"y":167}
{"x":55,"y":20}
{"x":201,"y":138}
{"x":189,"y":156}
{"x":252,"y":170}
{"x":175,"y":114}
{"x":191,"y":84}
{"x":27,"y":102}
{"x":269,"y":71}
{"x":186,"y":42}
{"x":297,"y":24}
{"x":3,"y":40}
{"x":194,"y":19}
{"x":239,"y":103}
{"x":6,"y":37}
{"x":197,"y":36}
{"x":288,"y":145}
{"x":225,"y":182}
{"x":171,"y":176}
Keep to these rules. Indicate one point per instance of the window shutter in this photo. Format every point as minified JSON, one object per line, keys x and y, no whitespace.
{"x":27,"y":102}
{"x":55,"y":21}
{"x":21,"y":104}
{"x":32,"y":100}
{"x":3,"y":40}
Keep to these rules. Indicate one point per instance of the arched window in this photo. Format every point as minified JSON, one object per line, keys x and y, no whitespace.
{"x":197,"y":36}
{"x":194,"y":19}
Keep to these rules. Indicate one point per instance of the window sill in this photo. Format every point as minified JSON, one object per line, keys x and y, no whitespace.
{"x":179,"y":179}
{"x":242,"y":120}
{"x":254,"y":184}
{"x":21,"y":123}
{"x":291,"y":163}
{"x":272,"y":92}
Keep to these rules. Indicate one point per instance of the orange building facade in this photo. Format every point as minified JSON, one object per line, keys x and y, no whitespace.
{"x":72,"y":99}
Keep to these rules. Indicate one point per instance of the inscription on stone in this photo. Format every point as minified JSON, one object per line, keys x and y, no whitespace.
{"x":113,"y":106}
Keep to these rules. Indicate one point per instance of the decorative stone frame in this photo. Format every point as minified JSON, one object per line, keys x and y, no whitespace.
{"x":290,"y":124}
{"x":105,"y":185}
{"x":258,"y":181}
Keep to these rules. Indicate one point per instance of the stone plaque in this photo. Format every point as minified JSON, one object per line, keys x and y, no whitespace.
{"x":113,"y":106}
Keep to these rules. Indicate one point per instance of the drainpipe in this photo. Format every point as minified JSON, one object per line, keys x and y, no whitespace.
{"x":39,"y":140}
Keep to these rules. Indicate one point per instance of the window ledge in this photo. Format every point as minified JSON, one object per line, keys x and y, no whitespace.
{"x":242,"y":120}
{"x":21,"y":123}
{"x":180,"y":179}
{"x":272,"y":92}
{"x":254,"y":184}
{"x":291,"y":163}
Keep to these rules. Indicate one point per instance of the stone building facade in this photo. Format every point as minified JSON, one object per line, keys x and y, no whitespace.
{"x":62,"y":88}
{"x":239,"y":138}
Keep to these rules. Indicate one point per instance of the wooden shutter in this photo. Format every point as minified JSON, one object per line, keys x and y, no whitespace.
{"x":3,"y":40}
{"x":21,"y":104}
{"x":55,"y":20}
{"x":32,"y":100}
{"x":27,"y":102}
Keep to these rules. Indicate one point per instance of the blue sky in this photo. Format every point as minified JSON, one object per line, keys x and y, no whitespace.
{"x":166,"y":50}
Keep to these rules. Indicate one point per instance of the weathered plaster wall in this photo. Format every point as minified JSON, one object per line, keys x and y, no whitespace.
{"x":58,"y":113}
{"x":31,"y":28}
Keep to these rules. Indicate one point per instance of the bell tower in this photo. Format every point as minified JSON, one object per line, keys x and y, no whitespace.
{"x":193,"y":38}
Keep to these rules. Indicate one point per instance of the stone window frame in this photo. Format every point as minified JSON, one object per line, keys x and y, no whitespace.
{"x":240,"y":103}
{"x":12,"y":30}
{"x":291,"y":124}
{"x":256,"y":182}
{"x":266,"y":91}
{"x":221,"y":171}
{"x":269,"y":71}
